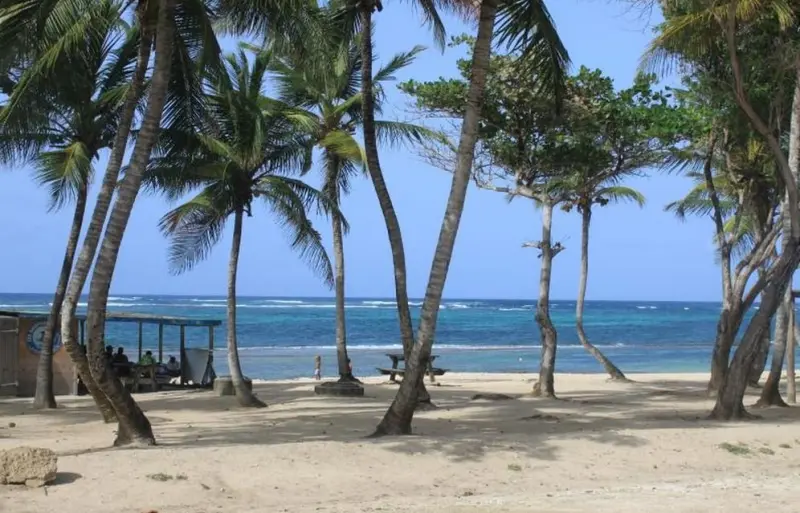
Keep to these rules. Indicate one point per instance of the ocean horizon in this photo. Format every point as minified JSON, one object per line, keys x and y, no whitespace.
{"x":279,"y":336}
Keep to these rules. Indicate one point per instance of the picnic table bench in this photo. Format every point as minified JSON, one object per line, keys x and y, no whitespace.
{"x":138,"y":375}
{"x":396,"y":358}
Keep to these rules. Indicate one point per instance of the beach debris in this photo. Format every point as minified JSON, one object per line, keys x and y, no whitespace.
{"x":542,"y":416}
{"x":491,"y":397}
{"x":12,"y":424}
{"x":739,"y":449}
{"x":160,"y":476}
{"x":515,"y":467}
{"x":31,"y":466}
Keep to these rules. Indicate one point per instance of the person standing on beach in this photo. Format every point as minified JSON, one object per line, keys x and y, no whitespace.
{"x":318,"y":367}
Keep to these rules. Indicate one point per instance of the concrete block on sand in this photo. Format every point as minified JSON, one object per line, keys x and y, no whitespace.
{"x":31,"y":466}
{"x":340,"y":389}
{"x":223,"y":385}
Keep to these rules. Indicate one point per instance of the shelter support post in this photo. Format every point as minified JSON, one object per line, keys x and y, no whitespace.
{"x":183,"y":354}
{"x":160,"y":343}
{"x":139,"y":358}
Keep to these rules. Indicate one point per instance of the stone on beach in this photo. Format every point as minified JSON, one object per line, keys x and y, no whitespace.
{"x":31,"y":466}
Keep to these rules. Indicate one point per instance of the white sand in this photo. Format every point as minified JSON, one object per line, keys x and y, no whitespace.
{"x":604,"y":447}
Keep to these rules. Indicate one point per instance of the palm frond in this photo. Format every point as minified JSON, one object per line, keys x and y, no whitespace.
{"x":526,"y":27}
{"x":289,"y":200}
{"x":194,"y":228}
{"x":620,"y":194}
{"x":64,"y":172}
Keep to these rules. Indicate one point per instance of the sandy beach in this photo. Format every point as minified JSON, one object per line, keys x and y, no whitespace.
{"x":603,"y":447}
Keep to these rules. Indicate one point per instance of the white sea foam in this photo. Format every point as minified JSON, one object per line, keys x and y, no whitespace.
{"x":390,"y":347}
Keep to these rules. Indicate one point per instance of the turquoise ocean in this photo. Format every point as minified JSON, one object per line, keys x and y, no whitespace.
{"x":279,"y":337}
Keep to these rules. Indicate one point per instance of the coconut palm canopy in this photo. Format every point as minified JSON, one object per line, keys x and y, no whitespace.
{"x":241,"y":150}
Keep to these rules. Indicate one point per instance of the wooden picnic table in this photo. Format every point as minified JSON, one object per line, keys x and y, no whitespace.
{"x":400,"y":357}
{"x":138,"y":375}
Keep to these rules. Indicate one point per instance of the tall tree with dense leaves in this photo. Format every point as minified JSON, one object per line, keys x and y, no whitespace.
{"x":243,"y":150}
{"x":60,"y":127}
{"x":575,"y":159}
{"x":526,"y":27}
{"x":690,"y":33}
{"x":325,"y":99}
{"x":607,"y":136}
{"x":735,"y":186}
{"x":64,"y":108}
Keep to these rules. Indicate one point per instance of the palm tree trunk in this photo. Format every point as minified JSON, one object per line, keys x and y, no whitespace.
{"x":397,"y":420}
{"x":729,"y":403}
{"x":760,"y":362}
{"x":612,"y":370}
{"x":244,"y":396}
{"x":382,"y":192}
{"x":727,"y":326}
{"x":545,"y":387}
{"x":98,"y":219}
{"x":341,"y":328}
{"x":134,"y":427}
{"x":44,"y":398}
{"x":770,"y":395}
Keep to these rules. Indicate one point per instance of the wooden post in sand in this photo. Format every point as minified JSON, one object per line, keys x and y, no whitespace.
{"x":791,"y":384}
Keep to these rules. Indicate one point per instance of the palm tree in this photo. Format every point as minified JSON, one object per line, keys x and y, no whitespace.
{"x":525,"y":26}
{"x":241,"y":151}
{"x":589,"y":188}
{"x":326,"y":100}
{"x":694,"y":34}
{"x":60,"y":126}
{"x":356,"y":16}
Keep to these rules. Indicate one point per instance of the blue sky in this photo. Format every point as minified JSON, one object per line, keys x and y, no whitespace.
{"x":634,"y":254}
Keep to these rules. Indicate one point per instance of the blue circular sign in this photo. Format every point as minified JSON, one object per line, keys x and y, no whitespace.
{"x":35,"y":338}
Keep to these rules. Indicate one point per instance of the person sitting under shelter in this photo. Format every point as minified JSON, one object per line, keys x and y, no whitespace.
{"x":147,"y":359}
{"x":173,"y":367}
{"x":120,"y":362}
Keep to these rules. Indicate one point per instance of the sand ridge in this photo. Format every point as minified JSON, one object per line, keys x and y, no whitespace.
{"x":602,"y":447}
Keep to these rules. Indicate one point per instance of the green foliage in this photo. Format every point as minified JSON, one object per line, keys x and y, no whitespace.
{"x":63,"y":109}
{"x":242,"y":149}
{"x":599,"y":135}
{"x":324,"y":100}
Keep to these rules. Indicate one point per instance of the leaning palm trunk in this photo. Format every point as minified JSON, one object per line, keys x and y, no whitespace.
{"x":44,"y":398}
{"x":382,"y":192}
{"x":345,"y":374}
{"x":397,"y":419}
{"x":612,"y":370}
{"x":770,"y":395}
{"x":729,"y":403}
{"x":98,"y":219}
{"x":244,"y":396}
{"x":760,"y":362}
{"x":134,"y":427}
{"x":545,"y":387}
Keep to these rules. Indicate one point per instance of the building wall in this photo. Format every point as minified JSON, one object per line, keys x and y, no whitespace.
{"x":8,"y":356}
{"x":64,"y":377}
